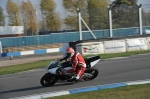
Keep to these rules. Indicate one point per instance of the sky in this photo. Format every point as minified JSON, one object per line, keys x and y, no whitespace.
{"x":59,"y":7}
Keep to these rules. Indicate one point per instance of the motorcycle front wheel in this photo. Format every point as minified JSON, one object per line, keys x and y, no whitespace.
{"x":48,"y":80}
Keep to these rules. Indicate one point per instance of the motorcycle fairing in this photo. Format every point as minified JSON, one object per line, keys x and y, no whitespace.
{"x":52,"y":67}
{"x":91,"y":61}
{"x":53,"y":70}
{"x":67,"y":68}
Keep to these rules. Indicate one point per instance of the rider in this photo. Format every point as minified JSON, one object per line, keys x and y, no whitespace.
{"x":78,"y":63}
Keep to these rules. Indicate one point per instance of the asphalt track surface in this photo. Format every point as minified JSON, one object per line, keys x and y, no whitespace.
{"x":114,"y":70}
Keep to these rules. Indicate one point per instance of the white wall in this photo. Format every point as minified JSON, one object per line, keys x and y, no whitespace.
{"x":148,"y":43}
{"x":5,"y":30}
{"x":114,"y":46}
{"x":136,"y":44}
{"x":90,"y":48}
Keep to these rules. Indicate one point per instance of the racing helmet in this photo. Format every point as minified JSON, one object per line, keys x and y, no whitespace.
{"x":70,"y":52}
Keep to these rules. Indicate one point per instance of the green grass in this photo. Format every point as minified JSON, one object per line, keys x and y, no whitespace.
{"x":127,"y":92}
{"x":23,"y":67}
{"x":105,"y":56}
{"x":41,"y":64}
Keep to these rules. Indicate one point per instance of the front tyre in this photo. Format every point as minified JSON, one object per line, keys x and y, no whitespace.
{"x":48,"y":80}
{"x":93,"y":73}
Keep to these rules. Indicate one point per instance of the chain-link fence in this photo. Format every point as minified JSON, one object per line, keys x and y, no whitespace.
{"x":97,"y":20}
{"x":123,"y":20}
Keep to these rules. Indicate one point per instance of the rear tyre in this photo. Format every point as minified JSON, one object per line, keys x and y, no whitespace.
{"x":92,"y":72}
{"x":48,"y":80}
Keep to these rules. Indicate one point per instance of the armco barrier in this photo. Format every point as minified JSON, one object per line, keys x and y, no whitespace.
{"x":40,"y":51}
{"x":79,"y":90}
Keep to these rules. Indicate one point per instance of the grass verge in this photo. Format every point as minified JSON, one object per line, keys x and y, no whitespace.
{"x":41,"y":64}
{"x":23,"y":67}
{"x":127,"y":92}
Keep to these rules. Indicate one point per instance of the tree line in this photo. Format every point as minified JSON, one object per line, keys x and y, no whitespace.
{"x":95,"y":14}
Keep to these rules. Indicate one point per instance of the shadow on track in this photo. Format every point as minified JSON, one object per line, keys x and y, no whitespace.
{"x":33,"y":88}
{"x":23,"y":89}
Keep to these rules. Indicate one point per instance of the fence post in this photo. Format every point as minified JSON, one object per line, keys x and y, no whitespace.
{"x":80,"y":25}
{"x":110,"y":20}
{"x":140,"y":18}
{"x":23,"y":23}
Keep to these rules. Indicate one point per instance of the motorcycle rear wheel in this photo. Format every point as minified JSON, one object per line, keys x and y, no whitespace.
{"x":48,"y":80}
{"x":93,"y":72}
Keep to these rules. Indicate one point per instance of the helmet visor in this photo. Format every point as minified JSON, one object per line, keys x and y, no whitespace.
{"x":68,"y":55}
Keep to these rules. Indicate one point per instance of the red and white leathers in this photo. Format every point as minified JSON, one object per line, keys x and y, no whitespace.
{"x":78,"y":64}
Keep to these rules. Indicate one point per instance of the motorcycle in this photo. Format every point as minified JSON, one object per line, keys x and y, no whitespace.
{"x":55,"y":69}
